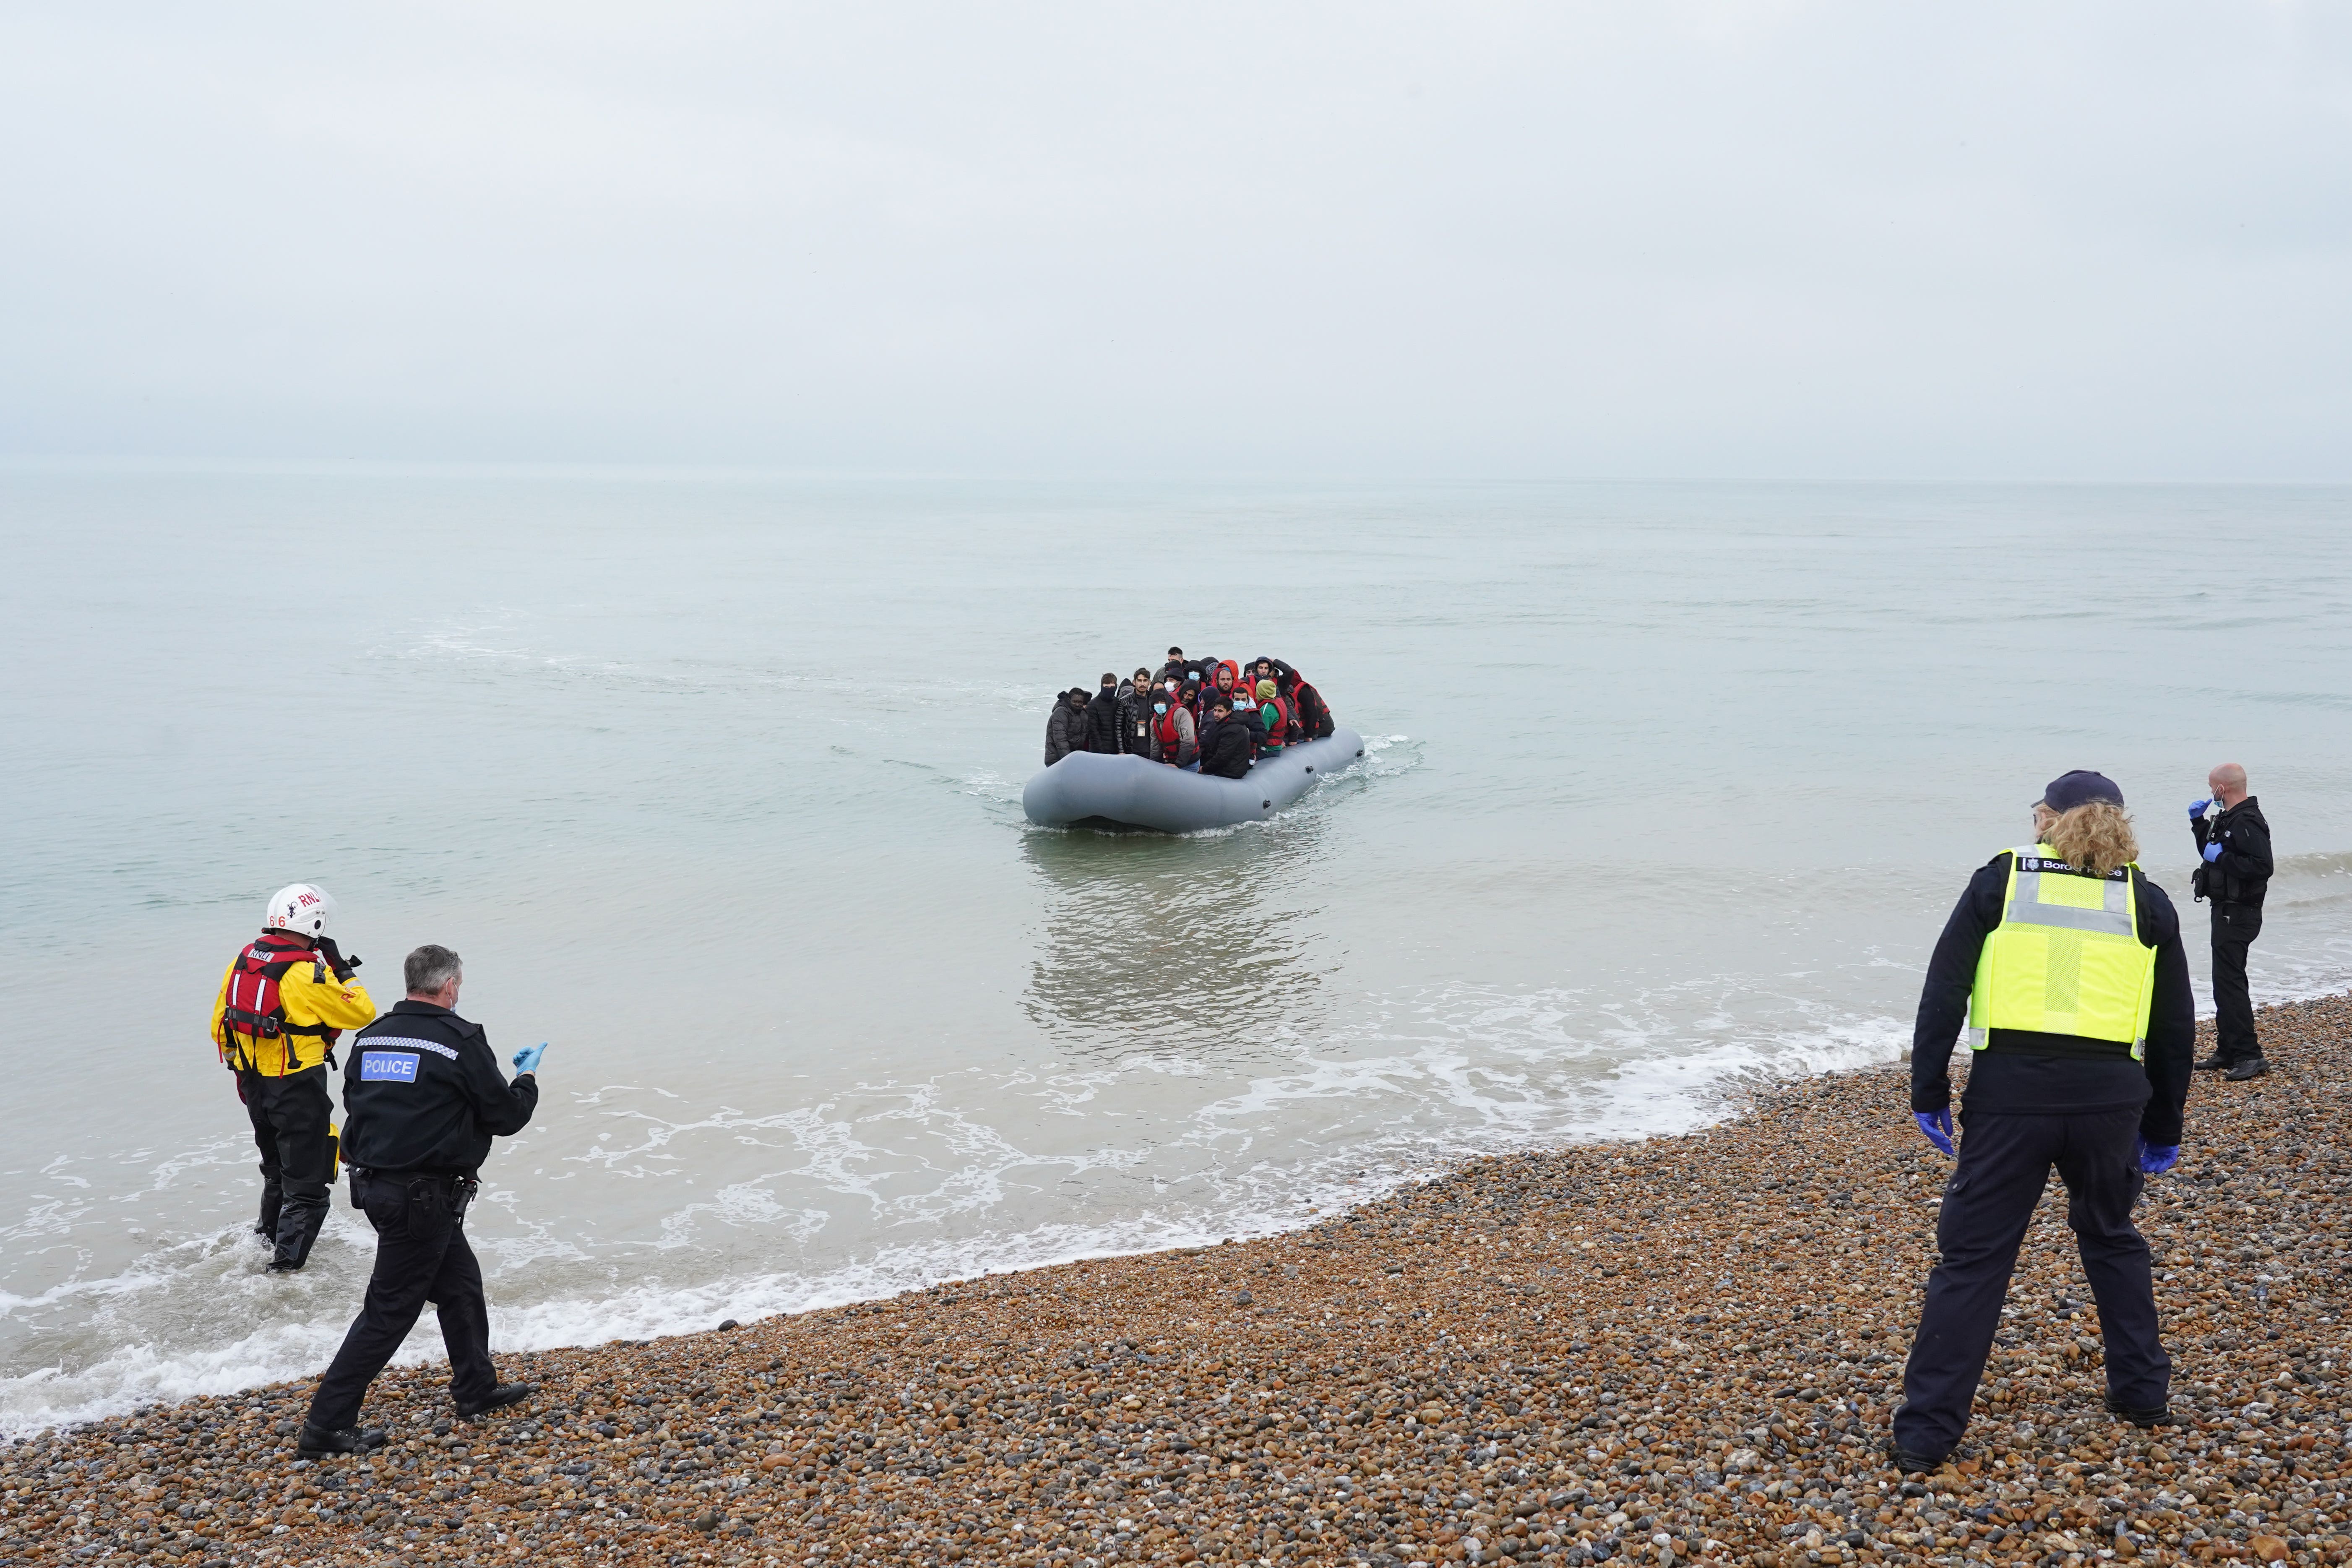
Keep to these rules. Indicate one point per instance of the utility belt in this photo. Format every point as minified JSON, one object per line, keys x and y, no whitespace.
{"x":455,"y":1188}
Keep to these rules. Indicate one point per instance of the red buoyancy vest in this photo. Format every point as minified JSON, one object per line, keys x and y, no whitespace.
{"x":1169,"y":737}
{"x":252,"y":1010}
{"x":1276,"y":734}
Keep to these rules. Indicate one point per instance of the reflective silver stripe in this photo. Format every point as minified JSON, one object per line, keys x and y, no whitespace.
{"x":2026,"y":908}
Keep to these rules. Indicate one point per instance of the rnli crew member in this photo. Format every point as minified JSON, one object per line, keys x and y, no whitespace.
{"x":286,"y":999}
{"x":2234,"y":846}
{"x":2067,"y":962}
{"x":425,"y":1098}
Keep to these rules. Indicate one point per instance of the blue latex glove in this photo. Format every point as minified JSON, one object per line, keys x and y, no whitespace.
{"x":1937,"y":1126}
{"x":2212,"y":851}
{"x":2197,"y":809}
{"x":2156,"y":1159}
{"x":527,"y":1059}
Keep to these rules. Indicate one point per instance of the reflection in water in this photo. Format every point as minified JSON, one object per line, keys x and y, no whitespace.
{"x":1153,"y":941}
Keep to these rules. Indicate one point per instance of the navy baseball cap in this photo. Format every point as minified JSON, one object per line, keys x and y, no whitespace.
{"x":2080,"y":787}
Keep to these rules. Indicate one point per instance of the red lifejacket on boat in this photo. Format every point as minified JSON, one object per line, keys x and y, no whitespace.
{"x":1274,"y":723}
{"x":252,"y":1010}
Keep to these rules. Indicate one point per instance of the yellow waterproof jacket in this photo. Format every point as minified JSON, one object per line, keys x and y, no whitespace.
{"x":335,"y":1004}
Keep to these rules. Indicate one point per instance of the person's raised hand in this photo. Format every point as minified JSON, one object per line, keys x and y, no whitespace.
{"x":1937,"y":1126}
{"x":525,"y":1060}
{"x":2154,"y":1159}
{"x":2197,"y":809}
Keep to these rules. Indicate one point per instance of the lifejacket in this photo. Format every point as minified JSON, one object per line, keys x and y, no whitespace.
{"x":1169,"y":738}
{"x":1277,"y":730}
{"x":252,"y":1011}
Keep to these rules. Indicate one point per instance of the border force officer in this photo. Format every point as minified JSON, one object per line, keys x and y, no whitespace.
{"x":2233,"y":847}
{"x":2067,"y":960}
{"x":425,"y":1098}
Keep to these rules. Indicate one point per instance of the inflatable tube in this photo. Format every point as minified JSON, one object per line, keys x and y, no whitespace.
{"x":1134,"y":791}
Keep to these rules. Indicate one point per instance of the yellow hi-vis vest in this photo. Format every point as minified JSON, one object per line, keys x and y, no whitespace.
{"x":2066,"y":958}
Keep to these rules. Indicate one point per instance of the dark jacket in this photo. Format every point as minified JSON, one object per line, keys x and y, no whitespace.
{"x":2021,"y":1072}
{"x":2242,"y":874}
{"x":1102,"y":722}
{"x":1064,"y":731}
{"x":422,"y":1092}
{"x":1226,"y":749}
{"x":1136,"y":734}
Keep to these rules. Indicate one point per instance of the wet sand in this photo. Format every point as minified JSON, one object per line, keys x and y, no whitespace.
{"x":1685,"y":1348}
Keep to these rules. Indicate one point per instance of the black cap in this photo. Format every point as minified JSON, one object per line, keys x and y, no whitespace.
{"x":2080,"y":787}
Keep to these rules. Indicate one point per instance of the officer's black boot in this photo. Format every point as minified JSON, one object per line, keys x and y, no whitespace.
{"x":2217,"y":1062}
{"x":2252,"y":1067}
{"x":503,"y":1395}
{"x":318,"y":1442}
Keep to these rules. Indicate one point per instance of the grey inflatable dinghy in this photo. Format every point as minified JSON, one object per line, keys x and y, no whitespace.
{"x":1089,"y":788}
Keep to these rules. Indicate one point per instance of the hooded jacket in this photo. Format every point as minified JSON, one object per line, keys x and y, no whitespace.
{"x":1102,"y":721}
{"x":1063,"y":730}
{"x":1312,"y":714}
{"x":1226,"y":749}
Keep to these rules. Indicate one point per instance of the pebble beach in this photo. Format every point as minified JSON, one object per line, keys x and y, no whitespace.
{"x":1685,"y":1348}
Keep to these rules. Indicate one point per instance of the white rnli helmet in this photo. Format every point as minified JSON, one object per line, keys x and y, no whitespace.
{"x":299,"y":908}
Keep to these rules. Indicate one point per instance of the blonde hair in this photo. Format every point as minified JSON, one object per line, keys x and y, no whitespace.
{"x":2094,"y":836}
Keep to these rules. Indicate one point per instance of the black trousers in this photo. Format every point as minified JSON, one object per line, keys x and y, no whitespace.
{"x":290,"y":1119}
{"x":2005,"y":1161}
{"x":420,"y":1256}
{"x":2234,"y":928}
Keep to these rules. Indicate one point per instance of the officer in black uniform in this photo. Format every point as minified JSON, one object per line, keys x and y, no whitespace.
{"x":423,"y":1097}
{"x":2233,"y":847}
{"x":2067,"y":962}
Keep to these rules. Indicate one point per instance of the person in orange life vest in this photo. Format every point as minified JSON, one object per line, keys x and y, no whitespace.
{"x":1220,"y":684}
{"x":1175,"y":738}
{"x":285,"y":1000}
{"x":1273,"y":718}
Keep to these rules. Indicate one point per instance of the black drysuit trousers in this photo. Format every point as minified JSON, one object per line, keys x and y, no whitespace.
{"x":291,"y":1120}
{"x":421,"y":1255}
{"x":2235,"y":926}
{"x":2005,"y":1162}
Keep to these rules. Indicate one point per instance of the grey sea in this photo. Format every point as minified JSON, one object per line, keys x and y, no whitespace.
{"x":715,"y":783}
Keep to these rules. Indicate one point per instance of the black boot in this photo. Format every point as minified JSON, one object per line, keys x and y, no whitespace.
{"x":318,"y":1442}
{"x":298,"y":1224}
{"x":2159,"y":1416}
{"x":1910,"y":1463}
{"x":2252,"y":1067}
{"x":503,"y":1395}
{"x":2217,"y":1062}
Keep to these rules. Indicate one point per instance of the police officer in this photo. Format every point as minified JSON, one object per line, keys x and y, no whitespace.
{"x":2233,"y":845}
{"x":2067,"y":961}
{"x":425,"y":1098}
{"x":285,"y":1001}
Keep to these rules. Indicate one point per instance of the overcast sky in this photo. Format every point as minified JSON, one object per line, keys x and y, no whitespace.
{"x":1448,"y":240}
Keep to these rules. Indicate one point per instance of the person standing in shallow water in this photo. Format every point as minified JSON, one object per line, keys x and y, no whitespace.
{"x":2066,"y":962}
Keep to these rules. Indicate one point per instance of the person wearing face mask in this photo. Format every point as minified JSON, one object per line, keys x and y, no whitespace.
{"x":2065,"y":963}
{"x":1102,"y":719}
{"x":1136,"y":702}
{"x":1174,"y":737}
{"x":1227,"y":750}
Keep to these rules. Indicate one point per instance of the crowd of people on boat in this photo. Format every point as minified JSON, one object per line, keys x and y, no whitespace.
{"x":1203,"y":715}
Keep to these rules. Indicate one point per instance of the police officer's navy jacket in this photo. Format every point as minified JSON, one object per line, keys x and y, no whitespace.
{"x":423,"y":1094}
{"x":2024,"y":1073}
{"x":2242,"y":874}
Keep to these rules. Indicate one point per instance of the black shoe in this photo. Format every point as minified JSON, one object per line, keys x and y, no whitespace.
{"x":1910,"y":1463}
{"x":2252,"y":1067}
{"x":318,"y":1442}
{"x":285,"y":1266}
{"x":2161,"y":1416}
{"x":503,"y":1395}
{"x":2217,"y":1062}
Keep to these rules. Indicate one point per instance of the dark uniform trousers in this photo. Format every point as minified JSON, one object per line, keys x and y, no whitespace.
{"x":2005,"y":1162}
{"x":421,"y":1255}
{"x":2235,"y":926}
{"x":290,"y":1119}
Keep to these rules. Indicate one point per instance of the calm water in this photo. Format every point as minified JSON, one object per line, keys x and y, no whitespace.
{"x":716,"y":785}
